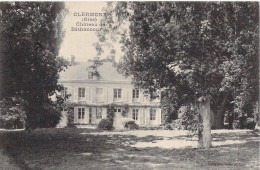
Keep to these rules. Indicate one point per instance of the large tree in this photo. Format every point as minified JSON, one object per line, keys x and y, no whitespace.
{"x":31,"y":34}
{"x":204,"y":50}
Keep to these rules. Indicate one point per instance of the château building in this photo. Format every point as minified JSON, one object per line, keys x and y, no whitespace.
{"x":91,"y":95}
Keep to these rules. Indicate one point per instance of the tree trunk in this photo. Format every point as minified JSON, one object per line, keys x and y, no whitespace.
{"x":230,"y":120}
{"x":204,"y":132}
{"x":257,"y":120}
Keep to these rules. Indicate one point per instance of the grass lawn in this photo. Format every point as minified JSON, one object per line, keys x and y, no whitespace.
{"x":152,"y":149}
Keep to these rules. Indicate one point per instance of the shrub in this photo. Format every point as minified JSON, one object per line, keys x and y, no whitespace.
{"x":250,"y":123}
{"x":168,"y":127}
{"x":105,"y":124}
{"x":111,"y":113}
{"x":70,"y":113}
{"x":12,"y":113}
{"x":124,"y":120}
{"x":188,"y":118}
{"x":13,"y":123}
{"x":49,"y":119}
{"x":125,"y":110}
{"x":178,"y":124}
{"x":151,"y":128}
{"x":131,"y":125}
{"x":236,"y":124}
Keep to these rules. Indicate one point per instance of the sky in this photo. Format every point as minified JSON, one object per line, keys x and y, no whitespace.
{"x":79,"y":43}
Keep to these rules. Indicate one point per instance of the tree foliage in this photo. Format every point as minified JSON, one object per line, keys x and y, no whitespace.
{"x":31,"y":34}
{"x":204,"y":50}
{"x":12,"y":113}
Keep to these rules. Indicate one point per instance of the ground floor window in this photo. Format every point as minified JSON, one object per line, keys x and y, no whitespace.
{"x":152,"y":114}
{"x":118,"y":110}
{"x":135,"y":114}
{"x":99,"y":113}
{"x":81,"y":113}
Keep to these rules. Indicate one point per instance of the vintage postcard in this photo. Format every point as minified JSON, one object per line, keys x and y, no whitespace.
{"x":129,"y":85}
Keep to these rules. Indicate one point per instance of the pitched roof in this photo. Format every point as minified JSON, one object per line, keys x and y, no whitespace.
{"x":80,"y":71}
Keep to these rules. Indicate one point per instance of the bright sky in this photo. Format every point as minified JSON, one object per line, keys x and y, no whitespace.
{"x":79,"y":43}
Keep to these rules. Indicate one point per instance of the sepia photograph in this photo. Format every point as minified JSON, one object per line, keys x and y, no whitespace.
{"x":129,"y":85}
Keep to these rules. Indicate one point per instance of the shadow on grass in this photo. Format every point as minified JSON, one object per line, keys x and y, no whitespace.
{"x":67,"y":148}
{"x":48,"y":145}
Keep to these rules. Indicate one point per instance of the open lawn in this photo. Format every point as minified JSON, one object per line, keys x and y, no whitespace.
{"x":151,"y":149}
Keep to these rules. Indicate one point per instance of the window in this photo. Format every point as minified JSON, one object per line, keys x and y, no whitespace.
{"x":64,"y":92}
{"x":117,"y":94}
{"x":99,"y":113}
{"x":152,"y":114}
{"x":135,"y":94}
{"x":118,"y":110}
{"x":81,"y":113}
{"x":135,"y":114}
{"x":99,"y":94}
{"x":90,"y":75}
{"x":81,"y":92}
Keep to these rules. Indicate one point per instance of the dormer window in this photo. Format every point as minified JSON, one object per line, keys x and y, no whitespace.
{"x":91,"y":75}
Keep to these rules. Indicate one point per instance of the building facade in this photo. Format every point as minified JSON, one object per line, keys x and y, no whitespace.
{"x":91,"y":95}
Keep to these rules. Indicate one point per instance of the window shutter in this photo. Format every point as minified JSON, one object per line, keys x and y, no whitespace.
{"x":158,"y":116}
{"x":141,"y":96}
{"x":130,"y":113}
{"x":91,"y":94}
{"x":147,"y":116}
{"x":110,"y":95}
{"x":94,"y":114}
{"x":130,"y":95}
{"x":75,"y":115}
{"x":141,"y":115}
{"x":124,"y":94}
{"x":87,"y":93}
{"x":75,"y":91}
{"x":105,"y":93}
{"x":86,"y":115}
{"x":104,"y":113}
{"x":93,"y":90}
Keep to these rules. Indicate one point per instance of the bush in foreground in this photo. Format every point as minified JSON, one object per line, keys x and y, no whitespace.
{"x":168,"y":126}
{"x":131,"y":125}
{"x":105,"y":124}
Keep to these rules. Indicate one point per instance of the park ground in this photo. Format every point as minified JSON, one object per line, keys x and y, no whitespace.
{"x":72,"y":148}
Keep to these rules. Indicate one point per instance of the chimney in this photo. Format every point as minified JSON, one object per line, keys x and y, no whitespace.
{"x":72,"y":61}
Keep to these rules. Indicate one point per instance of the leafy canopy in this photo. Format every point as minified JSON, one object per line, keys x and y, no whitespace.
{"x":31,"y":34}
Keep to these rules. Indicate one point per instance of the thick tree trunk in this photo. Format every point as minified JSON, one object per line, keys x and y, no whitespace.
{"x":204,"y":132}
